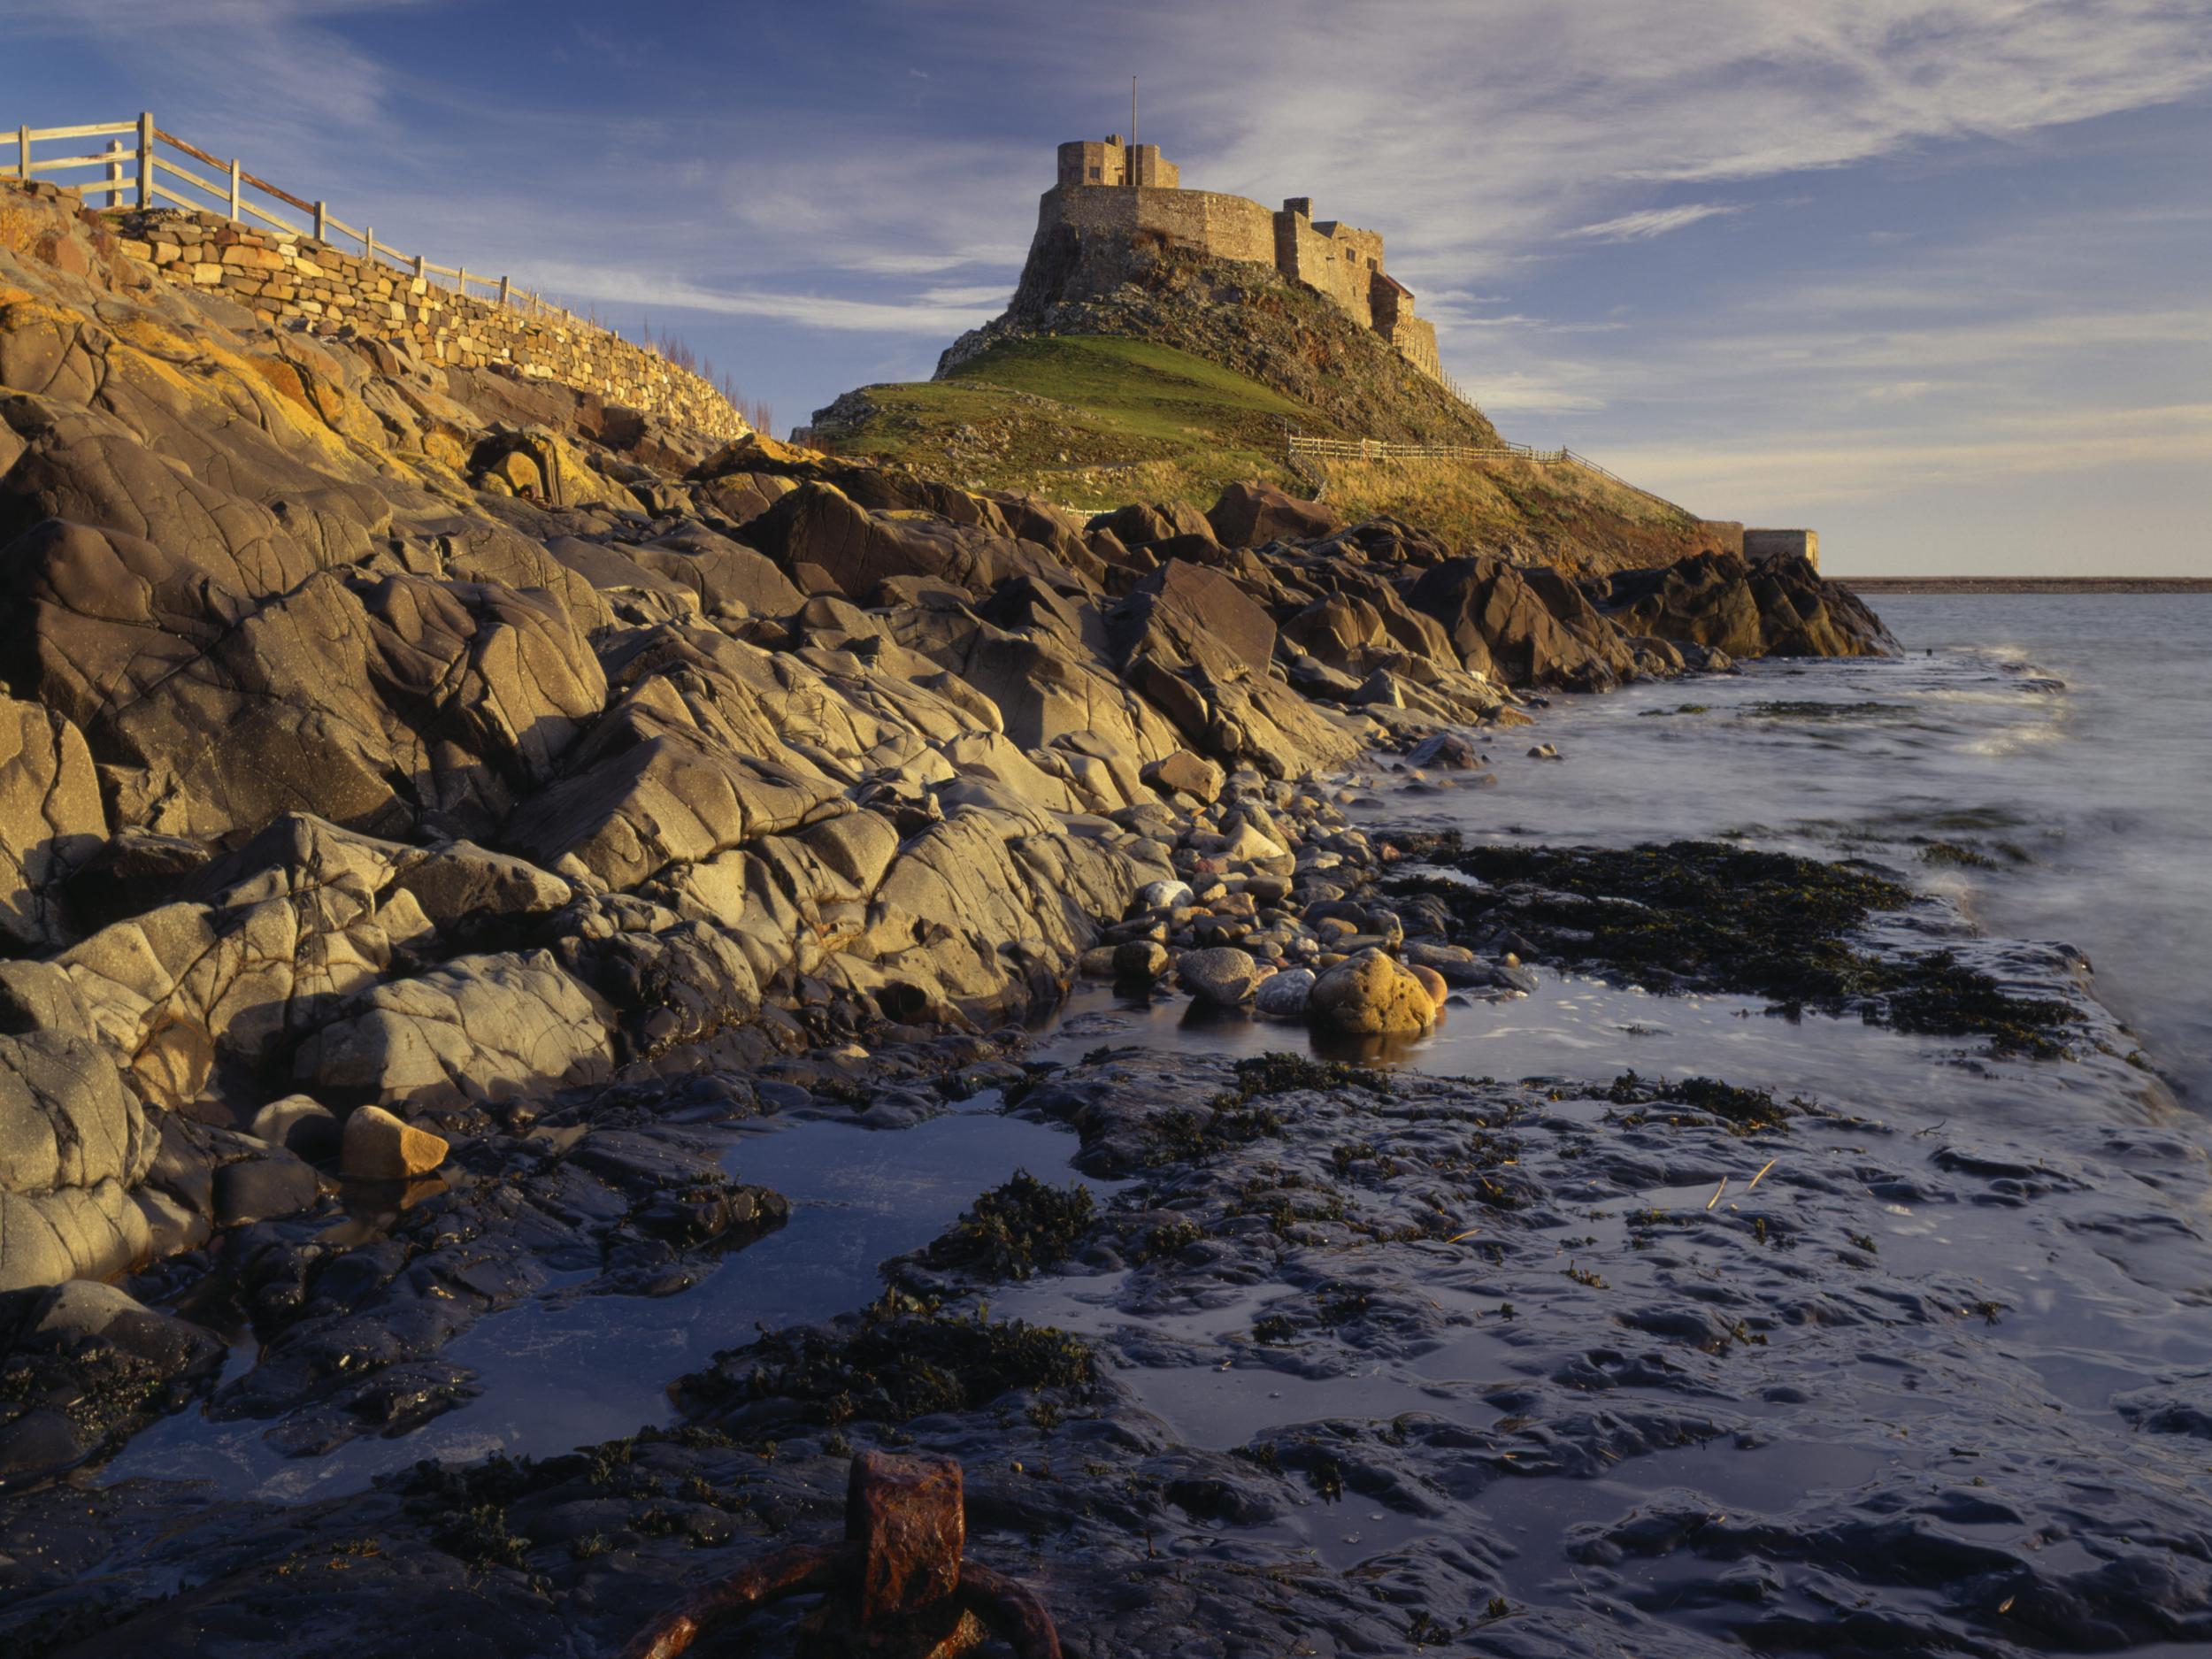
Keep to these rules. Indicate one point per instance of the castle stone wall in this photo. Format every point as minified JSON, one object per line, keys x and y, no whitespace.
{"x":1416,"y":336}
{"x":1326,"y":264}
{"x":283,"y":277}
{"x":1226,"y":227}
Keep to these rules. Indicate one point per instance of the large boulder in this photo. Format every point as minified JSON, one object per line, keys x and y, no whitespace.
{"x":1140,"y":525}
{"x":1502,"y":627}
{"x":476,"y":1028}
{"x":1370,"y":995}
{"x":1190,"y":614}
{"x":860,"y":549}
{"x":986,"y":914}
{"x":202,"y":998}
{"x":1253,"y":513}
{"x":382,"y":705}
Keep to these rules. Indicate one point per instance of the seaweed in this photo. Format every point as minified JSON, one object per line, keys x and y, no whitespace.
{"x":1189,"y":1135}
{"x":892,"y":1364}
{"x":1014,"y":1229}
{"x":1745,"y":1110}
{"x":1278,"y":1073}
{"x":1707,"y":916}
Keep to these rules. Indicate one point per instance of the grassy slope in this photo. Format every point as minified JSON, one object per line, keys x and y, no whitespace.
{"x":1560,"y":514}
{"x":1084,"y":419}
{"x":1093,"y":421}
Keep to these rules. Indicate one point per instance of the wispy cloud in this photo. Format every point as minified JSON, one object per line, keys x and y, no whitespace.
{"x":990,"y":293}
{"x":1521,"y":393}
{"x":304,"y":73}
{"x":928,"y":314}
{"x":891,"y":262}
{"x":1794,"y":472}
{"x":1646,"y":223}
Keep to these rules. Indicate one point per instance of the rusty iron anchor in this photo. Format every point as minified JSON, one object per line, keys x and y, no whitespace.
{"x":897,"y":1589}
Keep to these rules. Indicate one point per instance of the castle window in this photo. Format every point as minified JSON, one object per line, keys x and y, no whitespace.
{"x":1094,"y":175}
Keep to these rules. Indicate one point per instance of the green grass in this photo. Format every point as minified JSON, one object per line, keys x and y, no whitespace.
{"x":1147,"y":389}
{"x":1090,"y":420}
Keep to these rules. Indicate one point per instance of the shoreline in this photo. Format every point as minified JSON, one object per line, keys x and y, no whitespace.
{"x":2060,"y":585}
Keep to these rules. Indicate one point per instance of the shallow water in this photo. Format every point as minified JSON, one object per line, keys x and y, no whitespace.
{"x":566,"y":1368}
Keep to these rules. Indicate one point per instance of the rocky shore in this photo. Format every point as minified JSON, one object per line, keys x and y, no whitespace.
{"x":441,"y":804}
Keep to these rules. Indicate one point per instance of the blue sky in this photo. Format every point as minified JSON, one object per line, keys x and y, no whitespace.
{"x":1933,"y":278}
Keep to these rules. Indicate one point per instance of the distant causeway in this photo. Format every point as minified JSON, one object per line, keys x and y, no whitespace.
{"x":2026,"y":584}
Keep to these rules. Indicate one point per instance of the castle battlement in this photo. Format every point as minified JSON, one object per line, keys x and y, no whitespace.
{"x":1132,"y":193}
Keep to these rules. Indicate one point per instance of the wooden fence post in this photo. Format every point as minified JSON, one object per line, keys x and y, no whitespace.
{"x":420,"y":260}
{"x":461,"y":283}
{"x":502,"y":290}
{"x":23,"y":154}
{"x":368,"y":243}
{"x":322,"y":221}
{"x":145,"y":158}
{"x":115,"y":173}
{"x":234,"y":187}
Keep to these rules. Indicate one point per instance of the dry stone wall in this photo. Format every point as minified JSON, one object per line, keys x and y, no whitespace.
{"x":286,"y":277}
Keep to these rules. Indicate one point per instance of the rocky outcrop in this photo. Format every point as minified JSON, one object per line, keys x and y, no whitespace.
{"x":1506,"y":626}
{"x":385,"y":737}
{"x":1771,"y":608}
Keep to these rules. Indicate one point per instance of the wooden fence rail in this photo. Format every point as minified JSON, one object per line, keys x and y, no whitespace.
{"x":1376,"y":449}
{"x":139,"y":169}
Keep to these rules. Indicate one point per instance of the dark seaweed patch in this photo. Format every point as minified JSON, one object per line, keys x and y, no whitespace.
{"x":1702,"y":914}
{"x":1015,"y":1229}
{"x":893,"y":1364}
{"x":1277,"y":1073}
{"x":1743,"y":1110}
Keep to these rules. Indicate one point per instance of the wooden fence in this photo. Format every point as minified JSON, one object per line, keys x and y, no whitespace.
{"x":133,"y":164}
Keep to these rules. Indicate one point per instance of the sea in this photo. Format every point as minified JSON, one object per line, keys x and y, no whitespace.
{"x":2044,"y":760}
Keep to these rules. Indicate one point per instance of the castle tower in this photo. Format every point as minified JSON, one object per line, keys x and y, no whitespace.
{"x":1085,"y":162}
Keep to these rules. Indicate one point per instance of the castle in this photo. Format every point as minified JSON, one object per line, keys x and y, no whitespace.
{"x":1130,"y":193}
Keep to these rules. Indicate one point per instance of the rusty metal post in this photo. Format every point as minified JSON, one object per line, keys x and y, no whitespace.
{"x":904,"y":1531}
{"x":899,"y":1588}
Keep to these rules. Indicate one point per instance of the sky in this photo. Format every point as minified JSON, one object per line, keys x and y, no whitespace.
{"x":1933,"y":277}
